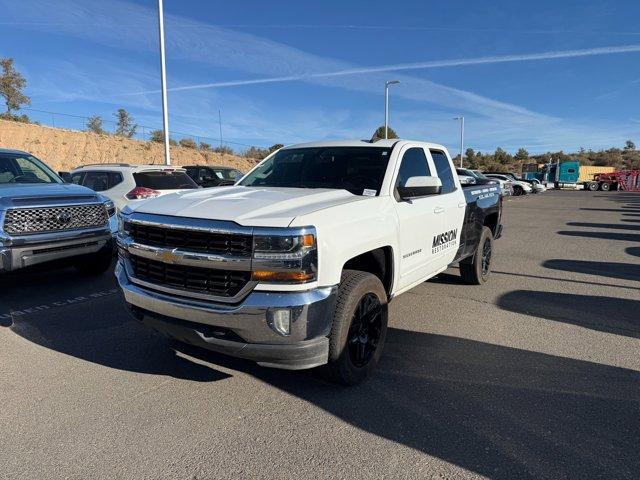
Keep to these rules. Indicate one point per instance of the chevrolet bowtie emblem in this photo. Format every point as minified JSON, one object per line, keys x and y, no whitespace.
{"x":168,"y":257}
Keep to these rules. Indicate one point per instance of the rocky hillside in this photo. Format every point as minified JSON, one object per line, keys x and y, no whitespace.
{"x":65,"y":149}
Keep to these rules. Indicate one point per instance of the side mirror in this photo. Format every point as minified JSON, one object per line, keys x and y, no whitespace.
{"x":66,"y":177}
{"x":420,"y":187}
{"x":466,"y":180}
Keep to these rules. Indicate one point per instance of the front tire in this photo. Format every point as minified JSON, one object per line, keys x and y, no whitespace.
{"x":517,"y":190}
{"x":359,"y":328}
{"x":477,"y":270}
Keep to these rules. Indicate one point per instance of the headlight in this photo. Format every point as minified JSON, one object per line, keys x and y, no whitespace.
{"x":122,"y":226}
{"x":285,"y":256}
{"x":111,"y":208}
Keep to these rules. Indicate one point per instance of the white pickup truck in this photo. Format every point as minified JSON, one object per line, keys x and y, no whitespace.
{"x":293,"y":267}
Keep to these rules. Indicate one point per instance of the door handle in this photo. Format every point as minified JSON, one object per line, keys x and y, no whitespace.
{"x":462,"y":205}
{"x":438,"y":210}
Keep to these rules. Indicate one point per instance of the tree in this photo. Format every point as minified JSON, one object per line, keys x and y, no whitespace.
{"x":94,"y":124}
{"x":470,"y":157}
{"x":205,"y":146}
{"x":11,"y":85}
{"x":379,"y":133}
{"x":126,"y":127}
{"x":187,"y":143}
{"x":502,"y":157}
{"x":275,"y":147}
{"x":629,"y":145}
{"x":522,"y":155}
{"x":223,"y":149}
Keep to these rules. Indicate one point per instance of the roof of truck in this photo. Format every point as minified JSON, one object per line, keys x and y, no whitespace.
{"x":363,"y":143}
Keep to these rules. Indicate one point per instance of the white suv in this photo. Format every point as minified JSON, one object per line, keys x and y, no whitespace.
{"x":124,"y":183}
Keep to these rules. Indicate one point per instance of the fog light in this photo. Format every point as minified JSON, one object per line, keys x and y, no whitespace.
{"x":280,"y":321}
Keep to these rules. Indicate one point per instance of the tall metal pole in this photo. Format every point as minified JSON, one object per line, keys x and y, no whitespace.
{"x":163,"y":75}
{"x":386,"y":105}
{"x":220,"y":123}
{"x":461,"y":137}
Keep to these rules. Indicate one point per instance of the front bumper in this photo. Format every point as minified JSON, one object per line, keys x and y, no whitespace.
{"x":29,"y":250}
{"x":241,"y":330}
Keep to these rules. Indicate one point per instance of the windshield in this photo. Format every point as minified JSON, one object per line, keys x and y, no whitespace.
{"x":23,"y":168}
{"x":359,"y":170}
{"x":479,"y":175}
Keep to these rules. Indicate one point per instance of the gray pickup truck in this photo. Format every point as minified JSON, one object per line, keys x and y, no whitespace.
{"x":42,"y":219}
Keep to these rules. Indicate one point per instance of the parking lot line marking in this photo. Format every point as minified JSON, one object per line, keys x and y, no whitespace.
{"x":57,"y":304}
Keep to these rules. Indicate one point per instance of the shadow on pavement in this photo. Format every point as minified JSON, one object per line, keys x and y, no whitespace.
{"x":625,"y":271}
{"x":635,"y":251}
{"x":102,"y":332}
{"x":603,"y":225}
{"x":604,"y":314}
{"x":616,"y":210}
{"x":626,"y":237}
{"x":501,"y":412}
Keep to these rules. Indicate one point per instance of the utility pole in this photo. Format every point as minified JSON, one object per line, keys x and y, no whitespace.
{"x":163,"y":79}
{"x":386,"y":105}
{"x":220,"y":123}
{"x":461,"y":137}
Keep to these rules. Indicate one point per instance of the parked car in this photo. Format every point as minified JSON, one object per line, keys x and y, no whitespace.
{"x":124,"y":183}
{"x":42,"y":219}
{"x":536,"y":185}
{"x":293,"y":267}
{"x":519,"y":187}
{"x":213,"y":176}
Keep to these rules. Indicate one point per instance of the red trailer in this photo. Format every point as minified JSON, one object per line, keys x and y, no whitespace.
{"x":627,"y":180}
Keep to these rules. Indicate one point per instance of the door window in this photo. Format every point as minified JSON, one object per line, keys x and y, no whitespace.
{"x":96,"y":181}
{"x":414,"y":164}
{"x":443,"y":167}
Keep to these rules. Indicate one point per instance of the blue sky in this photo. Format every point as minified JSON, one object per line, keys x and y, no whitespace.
{"x":545,"y":75}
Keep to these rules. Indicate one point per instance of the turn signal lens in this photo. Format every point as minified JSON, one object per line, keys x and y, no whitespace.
{"x":268,"y":276}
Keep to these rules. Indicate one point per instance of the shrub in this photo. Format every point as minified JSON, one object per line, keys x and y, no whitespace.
{"x":187,"y":143}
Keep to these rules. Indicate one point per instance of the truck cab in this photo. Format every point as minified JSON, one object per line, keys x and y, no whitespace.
{"x":294,"y":266}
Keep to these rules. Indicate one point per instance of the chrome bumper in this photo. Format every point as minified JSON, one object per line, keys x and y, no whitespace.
{"x":242,"y":330}
{"x":28,"y":250}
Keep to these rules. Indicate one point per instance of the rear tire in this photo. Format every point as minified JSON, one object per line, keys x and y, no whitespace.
{"x":517,"y":190}
{"x":95,"y":263}
{"x":476,"y":271}
{"x":593,"y":186}
{"x":605,"y":187}
{"x":359,"y":328}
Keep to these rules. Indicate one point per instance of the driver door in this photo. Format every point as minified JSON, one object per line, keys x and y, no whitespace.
{"x":419,"y":220}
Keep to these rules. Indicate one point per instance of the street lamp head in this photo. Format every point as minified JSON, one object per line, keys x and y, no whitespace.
{"x":391,"y":82}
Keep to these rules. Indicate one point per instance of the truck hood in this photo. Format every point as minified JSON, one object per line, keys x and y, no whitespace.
{"x":249,"y":206}
{"x":21,"y":194}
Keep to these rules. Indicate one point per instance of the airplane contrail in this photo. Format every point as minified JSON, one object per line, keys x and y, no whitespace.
{"x":414,"y":66}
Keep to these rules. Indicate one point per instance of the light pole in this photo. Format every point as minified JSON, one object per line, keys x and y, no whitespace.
{"x":220,"y":123}
{"x":386,"y":105}
{"x":163,"y":77}
{"x":461,"y":137}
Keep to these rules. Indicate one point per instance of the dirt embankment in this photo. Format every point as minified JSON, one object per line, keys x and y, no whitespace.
{"x":64,"y":150}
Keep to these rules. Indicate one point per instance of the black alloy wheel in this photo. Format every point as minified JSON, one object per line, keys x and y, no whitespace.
{"x":365,"y":330}
{"x":486,"y":256}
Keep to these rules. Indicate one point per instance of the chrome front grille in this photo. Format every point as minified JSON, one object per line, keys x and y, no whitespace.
{"x":234,"y":244}
{"x":25,"y":221}
{"x":223,"y":283}
{"x":204,"y":259}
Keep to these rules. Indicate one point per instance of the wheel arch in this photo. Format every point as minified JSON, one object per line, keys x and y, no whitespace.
{"x":378,"y":262}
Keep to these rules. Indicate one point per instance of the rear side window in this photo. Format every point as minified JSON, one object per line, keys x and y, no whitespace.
{"x":414,"y":164}
{"x":164,"y":180}
{"x":443,"y":167}
{"x":100,"y":181}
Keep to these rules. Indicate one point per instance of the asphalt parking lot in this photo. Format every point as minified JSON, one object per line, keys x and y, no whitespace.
{"x":534,"y":375}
